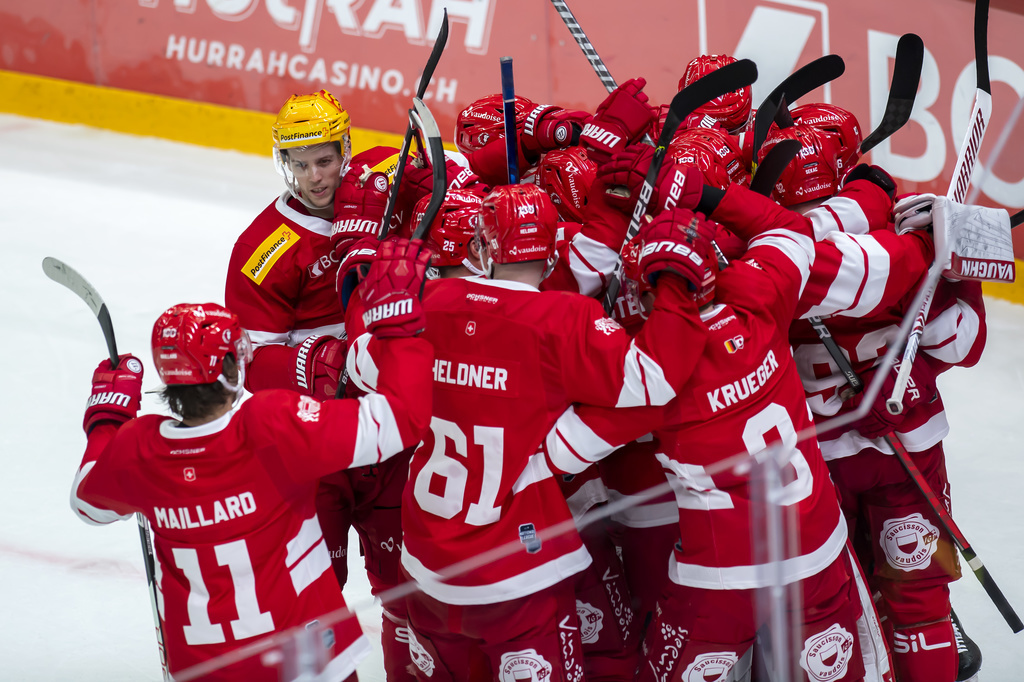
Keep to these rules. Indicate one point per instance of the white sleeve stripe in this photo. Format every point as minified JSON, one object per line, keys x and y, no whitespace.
{"x":362,"y":370}
{"x":644,"y":381}
{"x":860,"y":283}
{"x":950,"y":335}
{"x":839,"y":213}
{"x":311,"y":567}
{"x":573,"y":446}
{"x":267,"y":338}
{"x":535,"y":471}
{"x":926,"y":435}
{"x":797,"y":247}
{"x":94,"y":516}
{"x":377,"y":437}
{"x":309,"y":534}
{"x":591,"y":262}
{"x":297,"y":336}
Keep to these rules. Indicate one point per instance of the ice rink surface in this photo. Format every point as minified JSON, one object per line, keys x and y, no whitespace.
{"x":151,"y":223}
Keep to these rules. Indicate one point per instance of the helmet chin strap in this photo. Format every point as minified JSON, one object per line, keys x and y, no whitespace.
{"x":472,"y":268}
{"x":237,"y":388}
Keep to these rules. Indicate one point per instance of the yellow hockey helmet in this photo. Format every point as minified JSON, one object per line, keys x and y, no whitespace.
{"x":308,"y":121}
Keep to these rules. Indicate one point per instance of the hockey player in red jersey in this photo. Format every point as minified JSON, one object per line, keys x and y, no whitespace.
{"x":281,"y":284}
{"x":744,"y":396}
{"x":239,"y":551}
{"x":512,"y":358}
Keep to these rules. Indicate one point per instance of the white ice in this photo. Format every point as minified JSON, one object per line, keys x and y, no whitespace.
{"x":151,"y":223}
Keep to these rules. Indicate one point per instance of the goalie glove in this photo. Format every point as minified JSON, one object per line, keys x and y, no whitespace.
{"x":116,"y":393}
{"x":393,"y":288}
{"x":879,"y":421}
{"x":974,"y":243}
{"x":621,"y":119}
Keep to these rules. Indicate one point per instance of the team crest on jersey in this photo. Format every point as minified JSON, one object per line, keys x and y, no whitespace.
{"x":309,"y":409}
{"x":421,"y":658}
{"x":529,"y":665}
{"x":591,"y":621}
{"x":734,"y":344}
{"x":909,"y":542}
{"x":190,"y":474}
{"x":710,"y":667}
{"x":607,"y":325}
{"x":826,"y":655}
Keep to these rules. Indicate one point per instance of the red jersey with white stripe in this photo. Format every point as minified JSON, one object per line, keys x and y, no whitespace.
{"x":744,"y":395}
{"x":509,"y":360}
{"x":281,"y":279}
{"x":239,"y":551}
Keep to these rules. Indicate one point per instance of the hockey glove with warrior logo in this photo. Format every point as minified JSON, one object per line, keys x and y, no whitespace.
{"x":621,"y":119}
{"x":677,"y":186}
{"x":878,"y":421}
{"x":354,"y":266}
{"x":116,"y":393}
{"x":393,"y":287}
{"x":549,"y":127}
{"x":319,"y":362}
{"x":677,"y":241}
{"x":359,"y":205}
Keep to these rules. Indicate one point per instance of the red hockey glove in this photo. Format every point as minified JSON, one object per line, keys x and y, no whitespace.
{"x":358,"y":210}
{"x":878,"y":421}
{"x":353,"y":268}
{"x":621,"y":119}
{"x":419,"y":182}
{"x":549,"y":127}
{"x":873,"y":174}
{"x":677,"y":241}
{"x":116,"y":393}
{"x":319,"y":362}
{"x":393,"y":288}
{"x":677,"y":186}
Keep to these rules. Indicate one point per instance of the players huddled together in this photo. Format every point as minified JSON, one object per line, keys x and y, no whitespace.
{"x":466,"y":403}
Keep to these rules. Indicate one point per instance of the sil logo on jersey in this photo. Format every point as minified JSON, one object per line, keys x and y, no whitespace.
{"x":909,"y":542}
{"x":826,"y":655}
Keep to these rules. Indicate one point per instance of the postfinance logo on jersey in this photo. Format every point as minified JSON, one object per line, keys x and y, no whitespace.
{"x":267,"y":253}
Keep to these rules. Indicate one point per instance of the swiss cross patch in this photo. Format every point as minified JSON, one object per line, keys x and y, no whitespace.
{"x":190,"y":474}
{"x":607,"y":325}
{"x":470,"y":328}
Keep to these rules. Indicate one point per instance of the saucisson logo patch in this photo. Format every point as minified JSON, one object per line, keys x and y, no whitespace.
{"x":268,"y":253}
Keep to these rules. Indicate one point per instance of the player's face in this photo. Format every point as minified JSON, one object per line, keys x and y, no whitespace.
{"x":317,"y":171}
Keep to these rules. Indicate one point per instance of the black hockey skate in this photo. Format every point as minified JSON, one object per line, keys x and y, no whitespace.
{"x":970,"y":654}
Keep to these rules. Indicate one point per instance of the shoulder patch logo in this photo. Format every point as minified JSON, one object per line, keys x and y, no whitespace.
{"x":607,"y":325}
{"x":309,"y":409}
{"x":267,"y":253}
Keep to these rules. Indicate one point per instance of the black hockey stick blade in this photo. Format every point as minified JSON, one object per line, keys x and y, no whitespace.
{"x":770,"y":170}
{"x":1016,"y":219}
{"x":1002,"y":604}
{"x":981,"y":45}
{"x":906,"y":75}
{"x":802,"y":81}
{"x":403,"y":155}
{"x":424,"y":121}
{"x":63,"y":274}
{"x":730,"y":77}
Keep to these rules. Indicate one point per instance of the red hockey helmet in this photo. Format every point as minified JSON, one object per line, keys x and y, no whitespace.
{"x":518,"y":223}
{"x":190,"y":342}
{"x":566,"y":175}
{"x":453,"y":227}
{"x":814,"y":173}
{"x":714,"y":152}
{"x":731,"y":109}
{"x":484,"y":120}
{"x":834,"y":120}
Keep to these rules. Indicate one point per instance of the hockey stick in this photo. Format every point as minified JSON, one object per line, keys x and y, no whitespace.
{"x":802,"y":81}
{"x":770,"y":170}
{"x":596,"y":63}
{"x":906,"y":75}
{"x":937,"y":507}
{"x":403,"y":156}
{"x":958,"y":185}
{"x":1016,"y":219}
{"x":717,"y":83}
{"x":421,"y":118}
{"x":66,"y":276}
{"x":508,"y":100}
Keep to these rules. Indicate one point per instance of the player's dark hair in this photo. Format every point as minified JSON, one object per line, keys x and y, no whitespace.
{"x":196,"y":401}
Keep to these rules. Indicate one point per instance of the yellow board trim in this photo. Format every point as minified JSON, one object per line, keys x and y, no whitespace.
{"x":139,"y":113}
{"x":267,"y":253}
{"x":1008,"y":292}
